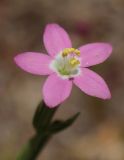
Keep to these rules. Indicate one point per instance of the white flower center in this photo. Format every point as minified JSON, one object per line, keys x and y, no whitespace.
{"x":67,"y":63}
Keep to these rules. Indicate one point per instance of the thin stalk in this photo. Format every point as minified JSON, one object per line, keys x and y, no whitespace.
{"x":34,"y":147}
{"x":41,"y":122}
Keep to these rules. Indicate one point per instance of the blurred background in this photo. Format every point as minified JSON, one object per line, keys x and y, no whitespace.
{"x":98,"y":134}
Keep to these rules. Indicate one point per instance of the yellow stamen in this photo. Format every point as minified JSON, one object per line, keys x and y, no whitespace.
{"x":72,"y":49}
{"x":74,"y":62}
{"x":68,"y":51}
{"x":77,"y":52}
{"x":64,"y":53}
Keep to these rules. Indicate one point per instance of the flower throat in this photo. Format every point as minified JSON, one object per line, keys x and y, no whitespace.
{"x":67,"y":62}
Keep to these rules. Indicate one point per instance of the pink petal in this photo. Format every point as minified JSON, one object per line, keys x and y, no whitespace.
{"x":55,"y":39}
{"x":35,"y":63}
{"x":94,"y":53}
{"x":56,"y":90}
{"x":92,"y":84}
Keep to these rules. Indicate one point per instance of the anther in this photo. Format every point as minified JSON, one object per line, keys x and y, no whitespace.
{"x":77,"y":52}
{"x":68,"y":51}
{"x":74,"y":61}
{"x":65,"y":52}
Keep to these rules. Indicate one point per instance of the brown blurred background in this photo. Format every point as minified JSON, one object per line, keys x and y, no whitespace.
{"x":98,"y":134}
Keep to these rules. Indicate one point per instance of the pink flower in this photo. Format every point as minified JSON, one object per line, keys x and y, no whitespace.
{"x":66,"y":65}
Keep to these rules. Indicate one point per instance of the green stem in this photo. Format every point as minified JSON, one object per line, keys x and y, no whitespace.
{"x":41,"y":122}
{"x":45,"y":129}
{"x":34,"y":147}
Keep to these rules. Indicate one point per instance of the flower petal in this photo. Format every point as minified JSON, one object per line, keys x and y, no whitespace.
{"x":35,"y":63}
{"x":92,"y":84}
{"x":94,"y":53}
{"x":56,"y":90}
{"x":55,"y":39}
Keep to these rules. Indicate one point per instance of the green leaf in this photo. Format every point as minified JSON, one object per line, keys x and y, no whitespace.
{"x":59,"y":125}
